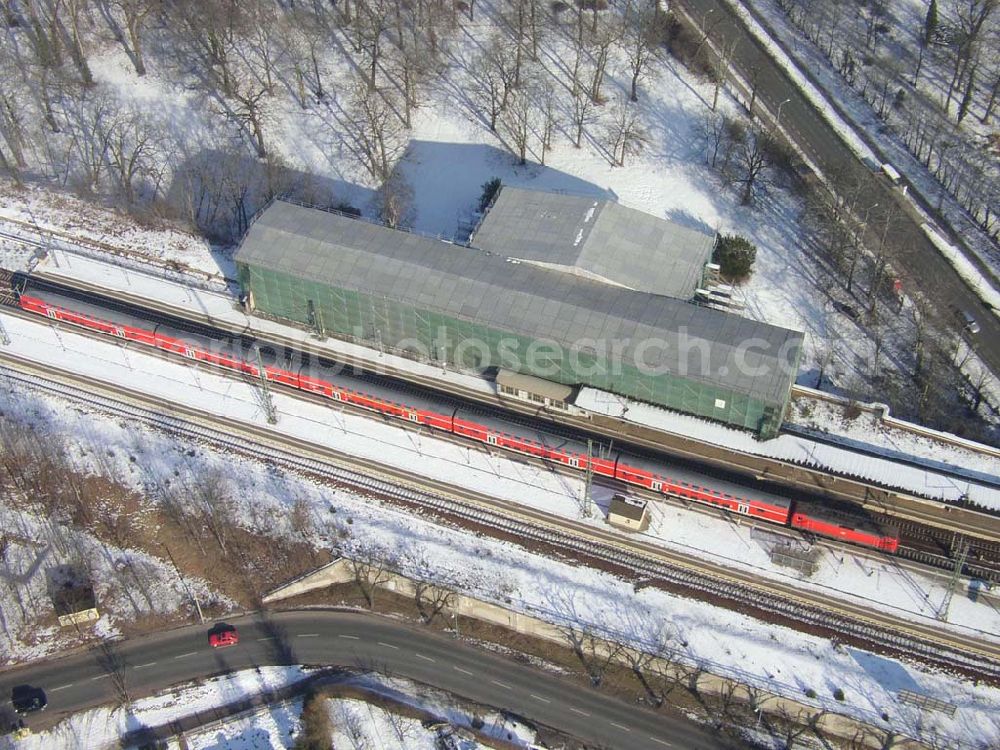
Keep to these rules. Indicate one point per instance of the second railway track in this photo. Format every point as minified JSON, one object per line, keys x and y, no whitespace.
{"x":970,"y":653}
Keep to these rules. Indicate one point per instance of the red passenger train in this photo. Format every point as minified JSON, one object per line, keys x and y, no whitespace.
{"x":774,"y":510}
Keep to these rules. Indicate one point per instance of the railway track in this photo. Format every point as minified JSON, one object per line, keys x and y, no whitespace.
{"x":918,"y":556}
{"x":553,"y":427}
{"x":969,"y":652}
{"x":769,"y":472}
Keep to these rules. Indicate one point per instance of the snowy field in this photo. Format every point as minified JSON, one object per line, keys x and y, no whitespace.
{"x":728,"y":643}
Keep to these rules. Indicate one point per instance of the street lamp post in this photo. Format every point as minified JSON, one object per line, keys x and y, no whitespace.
{"x":778,"y":118}
{"x":945,"y":148}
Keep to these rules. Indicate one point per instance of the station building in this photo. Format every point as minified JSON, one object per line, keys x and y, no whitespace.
{"x":569,"y":289}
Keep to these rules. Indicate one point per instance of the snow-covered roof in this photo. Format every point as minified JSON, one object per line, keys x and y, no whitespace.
{"x":599,"y":239}
{"x":667,"y":335}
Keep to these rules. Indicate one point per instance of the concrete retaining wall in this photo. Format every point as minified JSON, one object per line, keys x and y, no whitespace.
{"x":460,"y":605}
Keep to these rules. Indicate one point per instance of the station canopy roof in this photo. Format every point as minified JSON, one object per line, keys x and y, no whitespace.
{"x":670,"y":335}
{"x":599,"y":239}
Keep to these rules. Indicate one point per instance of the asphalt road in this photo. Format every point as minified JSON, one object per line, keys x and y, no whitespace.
{"x":923,"y":266}
{"x":323,"y":637}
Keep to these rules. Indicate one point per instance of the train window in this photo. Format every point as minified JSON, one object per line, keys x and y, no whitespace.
{"x":657,"y":486}
{"x":574,"y":462}
{"x":491,"y":439}
{"x":414,"y":417}
{"x":743,"y":508}
{"x":536,"y":398}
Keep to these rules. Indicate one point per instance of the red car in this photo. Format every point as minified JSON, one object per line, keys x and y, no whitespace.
{"x":222,"y":637}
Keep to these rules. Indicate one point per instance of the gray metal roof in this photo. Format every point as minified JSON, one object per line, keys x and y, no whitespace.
{"x":520,"y":298}
{"x":596,"y":238}
{"x":628,"y":507}
{"x":531,"y":384}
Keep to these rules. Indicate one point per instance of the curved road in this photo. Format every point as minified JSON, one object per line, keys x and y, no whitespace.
{"x":323,"y":637}
{"x":922,"y":264}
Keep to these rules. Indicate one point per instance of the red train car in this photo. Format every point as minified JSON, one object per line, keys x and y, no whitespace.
{"x":842,"y":529}
{"x":774,"y":509}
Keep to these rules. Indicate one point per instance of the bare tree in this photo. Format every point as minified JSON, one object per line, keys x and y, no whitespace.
{"x":715,"y":129}
{"x":600,"y":41}
{"x":395,"y":200}
{"x":132,"y":151}
{"x":549,"y":116}
{"x":595,"y":654}
{"x":494,"y":71}
{"x":12,"y":130}
{"x":581,"y":113}
{"x":376,"y":129}
{"x":432,"y":600}
{"x":371,"y":568}
{"x":136,"y":14}
{"x":371,"y":23}
{"x":517,"y":122}
{"x":790,"y":727}
{"x":971,"y":17}
{"x":626,"y":135}
{"x":644,"y":32}
{"x":751,"y":161}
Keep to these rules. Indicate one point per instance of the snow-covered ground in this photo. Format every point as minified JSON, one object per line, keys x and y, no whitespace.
{"x":100,"y":728}
{"x":450,"y":153}
{"x":780,"y":659}
{"x":862,"y":119}
{"x":870,"y":431}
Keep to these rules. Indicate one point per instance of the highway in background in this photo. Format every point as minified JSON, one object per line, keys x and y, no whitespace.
{"x":352,"y":639}
{"x":922,"y":265}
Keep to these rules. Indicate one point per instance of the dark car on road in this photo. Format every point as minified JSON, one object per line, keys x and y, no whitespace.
{"x":27,"y":699}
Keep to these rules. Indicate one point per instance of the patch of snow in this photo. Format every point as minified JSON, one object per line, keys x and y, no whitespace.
{"x":101,"y":727}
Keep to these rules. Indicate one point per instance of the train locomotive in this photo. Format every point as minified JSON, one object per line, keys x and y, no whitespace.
{"x":808,"y":517}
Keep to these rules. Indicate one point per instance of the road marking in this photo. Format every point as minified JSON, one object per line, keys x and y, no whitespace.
{"x":421,"y":656}
{"x":350,"y":637}
{"x":61,"y":687}
{"x":463,"y":671}
{"x":578,"y":711}
{"x":268,"y":638}
{"x":623,"y":728}
{"x":184,"y":656}
{"x":662,"y":742}
{"x":98,"y":677}
{"x":501,"y":684}
{"x":143,"y":666}
{"x":308,"y":635}
{"x":388,"y":645}
{"x":540,"y":698}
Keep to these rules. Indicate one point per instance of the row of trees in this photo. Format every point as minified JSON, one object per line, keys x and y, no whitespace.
{"x":358,"y":68}
{"x":949,"y":69}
